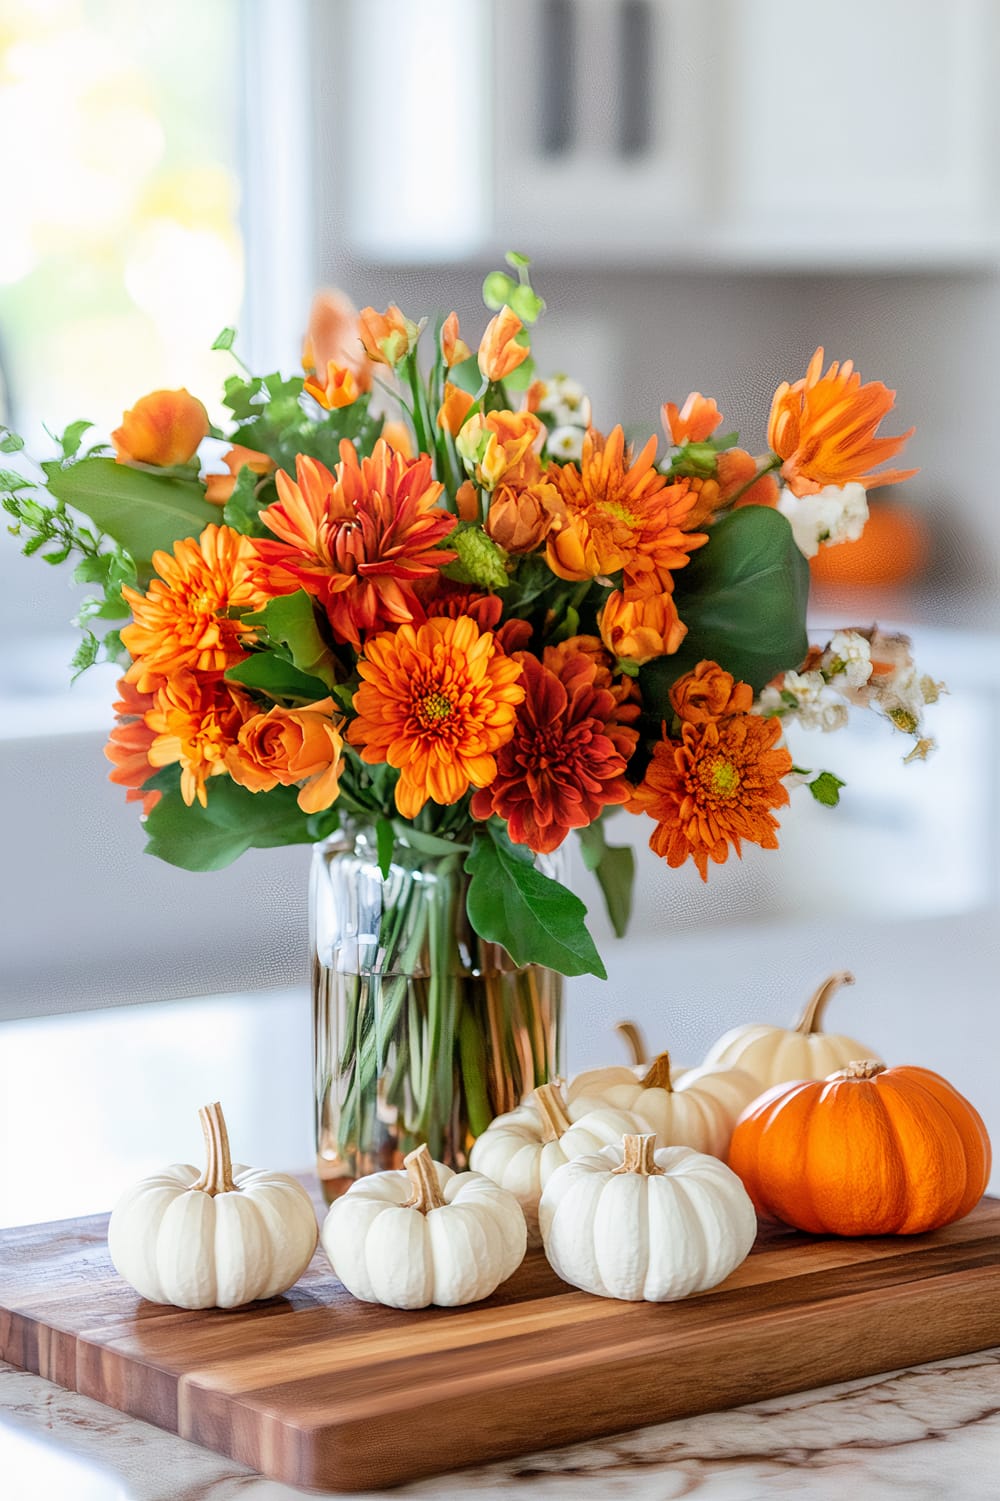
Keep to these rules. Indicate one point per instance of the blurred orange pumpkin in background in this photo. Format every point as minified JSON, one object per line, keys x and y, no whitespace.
{"x":894,"y":548}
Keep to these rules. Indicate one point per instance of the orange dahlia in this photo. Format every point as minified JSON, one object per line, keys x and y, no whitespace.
{"x":196,"y":722}
{"x":291,"y":747}
{"x":436,"y":702}
{"x":188,"y":616}
{"x":823,"y":428}
{"x":567,"y":757}
{"x":620,"y":516}
{"x":128,"y":745}
{"x":715,"y":786}
{"x":358,"y":539}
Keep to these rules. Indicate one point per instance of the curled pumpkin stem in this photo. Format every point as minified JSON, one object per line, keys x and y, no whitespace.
{"x":217,"y":1175}
{"x":811,"y":1018}
{"x":658,"y":1074}
{"x":634,"y":1041}
{"x":555,"y":1121}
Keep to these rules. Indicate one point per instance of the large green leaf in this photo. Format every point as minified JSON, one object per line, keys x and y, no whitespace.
{"x":291,"y":620}
{"x":140,"y":510}
{"x":614,"y":867}
{"x":743,"y":599}
{"x":235,"y":820}
{"x":535,"y":919}
{"x":278,"y":678}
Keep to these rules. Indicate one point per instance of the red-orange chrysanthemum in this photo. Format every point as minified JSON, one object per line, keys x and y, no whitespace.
{"x":620,"y":515}
{"x":128,"y":745}
{"x":196,"y":723}
{"x":186,"y":618}
{"x":567,"y":758}
{"x":358,"y":539}
{"x":823,"y":428}
{"x":716,"y":785}
{"x":437,"y":702}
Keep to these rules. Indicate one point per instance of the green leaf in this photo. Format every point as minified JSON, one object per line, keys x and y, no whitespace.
{"x":85,"y":655}
{"x":72,"y":436}
{"x":225,"y":340}
{"x":140,"y":510}
{"x":535,"y":919}
{"x":242,"y":509}
{"x":10,"y":442}
{"x":743,"y":598}
{"x":235,"y":820}
{"x":385,"y":843}
{"x":291,"y":620}
{"x":826,"y":789}
{"x":614,"y":867}
{"x":268,"y":673}
{"x":427,"y":844}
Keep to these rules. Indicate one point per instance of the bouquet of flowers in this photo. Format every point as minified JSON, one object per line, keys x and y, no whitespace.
{"x":431,"y":599}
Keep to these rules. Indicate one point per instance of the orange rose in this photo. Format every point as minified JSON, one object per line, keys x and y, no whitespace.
{"x":289,"y":746}
{"x":519,"y":519}
{"x":454,"y":409}
{"x":339,"y":389}
{"x":498,"y":353}
{"x":219,"y":487}
{"x":641,"y":628}
{"x":709,"y":693}
{"x":454,"y":348}
{"x":163,"y":428}
{"x":386,"y":337}
{"x":696,"y":420}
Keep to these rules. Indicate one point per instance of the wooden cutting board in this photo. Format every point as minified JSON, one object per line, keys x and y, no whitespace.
{"x":315,"y":1389}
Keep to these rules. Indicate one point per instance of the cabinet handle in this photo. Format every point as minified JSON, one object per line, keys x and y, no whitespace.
{"x":635,"y":52}
{"x":557,"y":77}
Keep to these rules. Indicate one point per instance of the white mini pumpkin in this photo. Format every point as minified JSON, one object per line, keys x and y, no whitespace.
{"x":215,"y":1239}
{"x":426,"y":1235}
{"x":779,"y":1055}
{"x":638,"y":1224}
{"x":522,"y":1149}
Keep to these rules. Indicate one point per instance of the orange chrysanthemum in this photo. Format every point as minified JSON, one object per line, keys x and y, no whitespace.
{"x":358,"y":539}
{"x":567,"y":757}
{"x":196,"y":722}
{"x":823,"y":428}
{"x":128,"y":745}
{"x":437,"y":703}
{"x":620,"y":516}
{"x":188,"y":616}
{"x":716,"y":785}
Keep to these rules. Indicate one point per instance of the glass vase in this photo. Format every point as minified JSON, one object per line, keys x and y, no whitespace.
{"x":422,"y":1032}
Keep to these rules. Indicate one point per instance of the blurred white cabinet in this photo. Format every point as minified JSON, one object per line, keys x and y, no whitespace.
{"x":833,"y":133}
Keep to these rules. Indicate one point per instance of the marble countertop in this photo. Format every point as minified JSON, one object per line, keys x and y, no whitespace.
{"x":928,"y":1432}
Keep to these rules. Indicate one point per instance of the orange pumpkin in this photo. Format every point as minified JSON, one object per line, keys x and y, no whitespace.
{"x":868,"y":1151}
{"x":893,"y":548}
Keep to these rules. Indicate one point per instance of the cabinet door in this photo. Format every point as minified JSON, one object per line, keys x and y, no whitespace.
{"x":858,"y":131}
{"x":599,"y":126}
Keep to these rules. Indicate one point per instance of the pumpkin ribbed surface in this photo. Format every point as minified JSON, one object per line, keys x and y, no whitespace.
{"x":868,"y":1151}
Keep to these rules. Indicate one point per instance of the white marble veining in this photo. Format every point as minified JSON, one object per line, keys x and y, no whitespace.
{"x":930,"y":1433}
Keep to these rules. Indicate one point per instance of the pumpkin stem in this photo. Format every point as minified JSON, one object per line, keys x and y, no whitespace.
{"x":217,"y":1177}
{"x":658,"y":1074}
{"x":811,"y":1017}
{"x":862,"y":1068}
{"x":634,"y":1041}
{"x":555,"y":1121}
{"x":639,"y":1157}
{"x":422,"y":1174}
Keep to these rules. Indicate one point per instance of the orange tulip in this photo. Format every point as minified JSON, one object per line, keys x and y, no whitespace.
{"x":339,"y":389}
{"x":823,"y":428}
{"x":696,"y":420}
{"x":454,"y":409}
{"x":333,"y":334}
{"x":289,"y":746}
{"x":640,"y":628}
{"x":502,"y":446}
{"x":387,"y":337}
{"x":219,"y":487}
{"x":454,"y":348}
{"x":498,"y":353}
{"x":163,"y":429}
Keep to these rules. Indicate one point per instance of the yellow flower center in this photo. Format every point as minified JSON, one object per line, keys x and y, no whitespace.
{"x":433,"y":708}
{"x":723,"y":778}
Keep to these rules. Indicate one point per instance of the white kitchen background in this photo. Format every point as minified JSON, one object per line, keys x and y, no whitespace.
{"x":709,"y":189}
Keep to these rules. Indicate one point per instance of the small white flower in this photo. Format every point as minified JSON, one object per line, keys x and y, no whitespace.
{"x":835,"y":514}
{"x":804,"y":696}
{"x":565,"y":401}
{"x":850,"y":654}
{"x":565,"y":443}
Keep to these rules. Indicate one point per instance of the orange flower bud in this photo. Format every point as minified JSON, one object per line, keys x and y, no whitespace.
{"x":340,"y":388}
{"x":163,"y":428}
{"x":333,"y":334}
{"x":289,"y":746}
{"x":697,"y":419}
{"x":454,"y":348}
{"x":736,"y":469}
{"x":467,"y":501}
{"x":641,"y":628}
{"x":502,"y":445}
{"x":709,"y":693}
{"x":498,"y":353}
{"x":454,"y":409}
{"x":397,"y":435}
{"x":219,"y":487}
{"x":519,"y":520}
{"x":386,"y":337}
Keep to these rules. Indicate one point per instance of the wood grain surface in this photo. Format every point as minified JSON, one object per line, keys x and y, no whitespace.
{"x":318,"y":1390}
